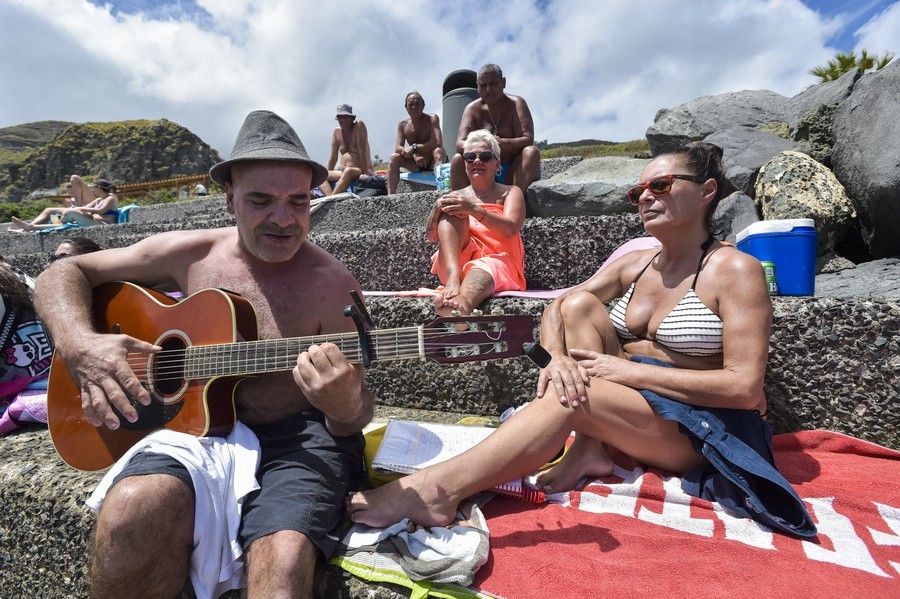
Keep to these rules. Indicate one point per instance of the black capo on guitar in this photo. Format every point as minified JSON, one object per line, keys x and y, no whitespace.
{"x":363,"y":321}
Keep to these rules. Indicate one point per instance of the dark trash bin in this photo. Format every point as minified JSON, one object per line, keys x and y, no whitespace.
{"x":460,"y":88}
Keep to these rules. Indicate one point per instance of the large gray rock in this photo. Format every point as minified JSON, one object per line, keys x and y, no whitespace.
{"x":876,"y":279}
{"x":866,"y":156}
{"x":793,"y":185}
{"x":553,"y":166}
{"x":694,"y":120}
{"x":594,"y":186}
{"x":734,"y":213}
{"x":745,"y":150}
{"x":815,"y":133}
{"x":829,"y":93}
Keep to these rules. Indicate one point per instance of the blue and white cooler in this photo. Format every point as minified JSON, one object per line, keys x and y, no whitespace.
{"x":790,"y":245}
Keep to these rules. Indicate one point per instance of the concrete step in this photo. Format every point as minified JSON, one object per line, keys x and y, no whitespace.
{"x":46,"y":528}
{"x":559,"y":252}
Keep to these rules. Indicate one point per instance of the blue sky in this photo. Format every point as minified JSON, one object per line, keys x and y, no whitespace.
{"x":854,"y":15}
{"x":588,"y":68}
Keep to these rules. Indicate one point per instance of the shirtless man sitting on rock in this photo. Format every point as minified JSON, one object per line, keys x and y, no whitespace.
{"x":350,"y":142}
{"x":507,"y":117}
{"x":422,"y":131}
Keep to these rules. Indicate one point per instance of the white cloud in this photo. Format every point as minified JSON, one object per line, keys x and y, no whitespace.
{"x":882,"y":32}
{"x":588,"y":69}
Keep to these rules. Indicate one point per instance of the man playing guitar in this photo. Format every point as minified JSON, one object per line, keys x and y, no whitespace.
{"x":308,"y":420}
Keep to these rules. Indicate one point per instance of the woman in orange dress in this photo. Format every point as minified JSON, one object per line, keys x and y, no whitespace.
{"x":478,"y":231}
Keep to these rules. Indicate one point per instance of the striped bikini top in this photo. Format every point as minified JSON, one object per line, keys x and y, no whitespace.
{"x":691,"y":328}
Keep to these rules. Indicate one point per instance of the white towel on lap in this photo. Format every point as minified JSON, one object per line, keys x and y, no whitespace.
{"x":223,"y":471}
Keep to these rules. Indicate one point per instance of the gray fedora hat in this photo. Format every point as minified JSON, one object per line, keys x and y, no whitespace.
{"x":266,"y":136}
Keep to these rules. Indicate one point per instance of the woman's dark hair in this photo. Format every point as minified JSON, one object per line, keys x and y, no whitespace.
{"x":705,"y":160}
{"x":82,"y":245}
{"x":16,"y":294}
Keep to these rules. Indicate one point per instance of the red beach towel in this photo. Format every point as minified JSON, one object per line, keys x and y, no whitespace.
{"x":636,"y":534}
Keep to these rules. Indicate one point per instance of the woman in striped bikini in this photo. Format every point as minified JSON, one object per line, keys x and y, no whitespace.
{"x":673,"y":376}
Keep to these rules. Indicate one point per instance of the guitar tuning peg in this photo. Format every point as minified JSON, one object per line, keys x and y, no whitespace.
{"x":497,"y":311}
{"x":454,"y":313}
{"x":503,"y":362}
{"x":482,"y":363}
{"x":477,"y":312}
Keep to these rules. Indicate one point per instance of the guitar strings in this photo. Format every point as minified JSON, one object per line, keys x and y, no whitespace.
{"x":201,"y":359}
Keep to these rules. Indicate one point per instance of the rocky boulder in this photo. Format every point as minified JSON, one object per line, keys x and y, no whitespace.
{"x":829,"y":93}
{"x":734,"y":214}
{"x":793,"y":185}
{"x":866,"y":156}
{"x":745,"y":150}
{"x":694,"y":120}
{"x":877,"y":279}
{"x":592,"y":187}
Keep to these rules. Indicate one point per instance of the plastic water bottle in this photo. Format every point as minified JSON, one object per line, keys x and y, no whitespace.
{"x":442,"y":176}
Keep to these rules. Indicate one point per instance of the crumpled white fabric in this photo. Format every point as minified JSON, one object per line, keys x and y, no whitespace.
{"x":451,"y":554}
{"x":223,"y":470}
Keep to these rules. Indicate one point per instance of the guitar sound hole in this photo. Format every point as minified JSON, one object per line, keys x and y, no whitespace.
{"x":168,"y":368}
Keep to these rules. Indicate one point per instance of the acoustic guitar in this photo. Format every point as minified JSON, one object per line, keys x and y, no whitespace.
{"x":209,"y":342}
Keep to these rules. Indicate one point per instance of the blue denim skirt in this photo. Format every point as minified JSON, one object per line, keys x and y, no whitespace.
{"x":740,"y":474}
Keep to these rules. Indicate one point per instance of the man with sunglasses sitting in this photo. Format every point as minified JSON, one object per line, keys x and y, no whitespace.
{"x":508,"y":118}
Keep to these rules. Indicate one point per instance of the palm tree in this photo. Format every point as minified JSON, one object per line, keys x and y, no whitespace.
{"x":845,"y":61}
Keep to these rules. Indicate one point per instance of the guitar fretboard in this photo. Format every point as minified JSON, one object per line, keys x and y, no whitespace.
{"x":273,"y":355}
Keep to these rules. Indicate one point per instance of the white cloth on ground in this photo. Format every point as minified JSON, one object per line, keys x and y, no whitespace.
{"x":223,"y":470}
{"x":451,"y":554}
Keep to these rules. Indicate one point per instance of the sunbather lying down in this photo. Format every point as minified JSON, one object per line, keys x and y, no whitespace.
{"x":103,"y":209}
{"x":478,"y":230}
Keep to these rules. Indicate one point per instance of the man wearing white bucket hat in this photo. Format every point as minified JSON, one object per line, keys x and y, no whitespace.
{"x":308,"y":421}
{"x":350,"y":145}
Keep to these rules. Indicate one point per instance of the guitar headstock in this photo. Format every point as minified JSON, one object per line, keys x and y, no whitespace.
{"x":455,"y":339}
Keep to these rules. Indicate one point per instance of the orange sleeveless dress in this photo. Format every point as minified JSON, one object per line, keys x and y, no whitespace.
{"x":502,"y":258}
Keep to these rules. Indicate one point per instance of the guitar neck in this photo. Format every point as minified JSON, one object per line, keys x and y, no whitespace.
{"x":274,"y":355}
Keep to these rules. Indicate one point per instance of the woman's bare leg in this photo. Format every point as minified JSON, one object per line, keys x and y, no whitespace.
{"x":587,"y":326}
{"x":476,"y":286}
{"x":614,"y":414}
{"x":81,"y":191}
{"x":453,"y":236}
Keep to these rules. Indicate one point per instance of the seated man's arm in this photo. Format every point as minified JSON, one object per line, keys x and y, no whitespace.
{"x":438,"y":135}
{"x":97,"y":360}
{"x":523,"y":134}
{"x":332,"y":160}
{"x":400,"y":144}
{"x":467,"y":123}
{"x":364,"y":151}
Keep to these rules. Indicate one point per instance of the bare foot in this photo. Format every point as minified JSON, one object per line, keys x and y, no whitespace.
{"x":444,"y":306}
{"x":416,"y":497}
{"x":586,"y":458}
{"x":24,"y":225}
{"x":449,"y":299}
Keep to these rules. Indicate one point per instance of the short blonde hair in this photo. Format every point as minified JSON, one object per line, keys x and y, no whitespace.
{"x":485,"y":137}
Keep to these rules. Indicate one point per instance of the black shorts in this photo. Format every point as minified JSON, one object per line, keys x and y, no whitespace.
{"x":304,"y":476}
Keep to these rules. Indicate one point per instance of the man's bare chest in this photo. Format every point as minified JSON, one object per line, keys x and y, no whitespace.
{"x":419,"y":132}
{"x":282,"y":308}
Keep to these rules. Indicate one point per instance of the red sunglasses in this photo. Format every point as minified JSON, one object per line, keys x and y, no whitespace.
{"x":659,"y":186}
